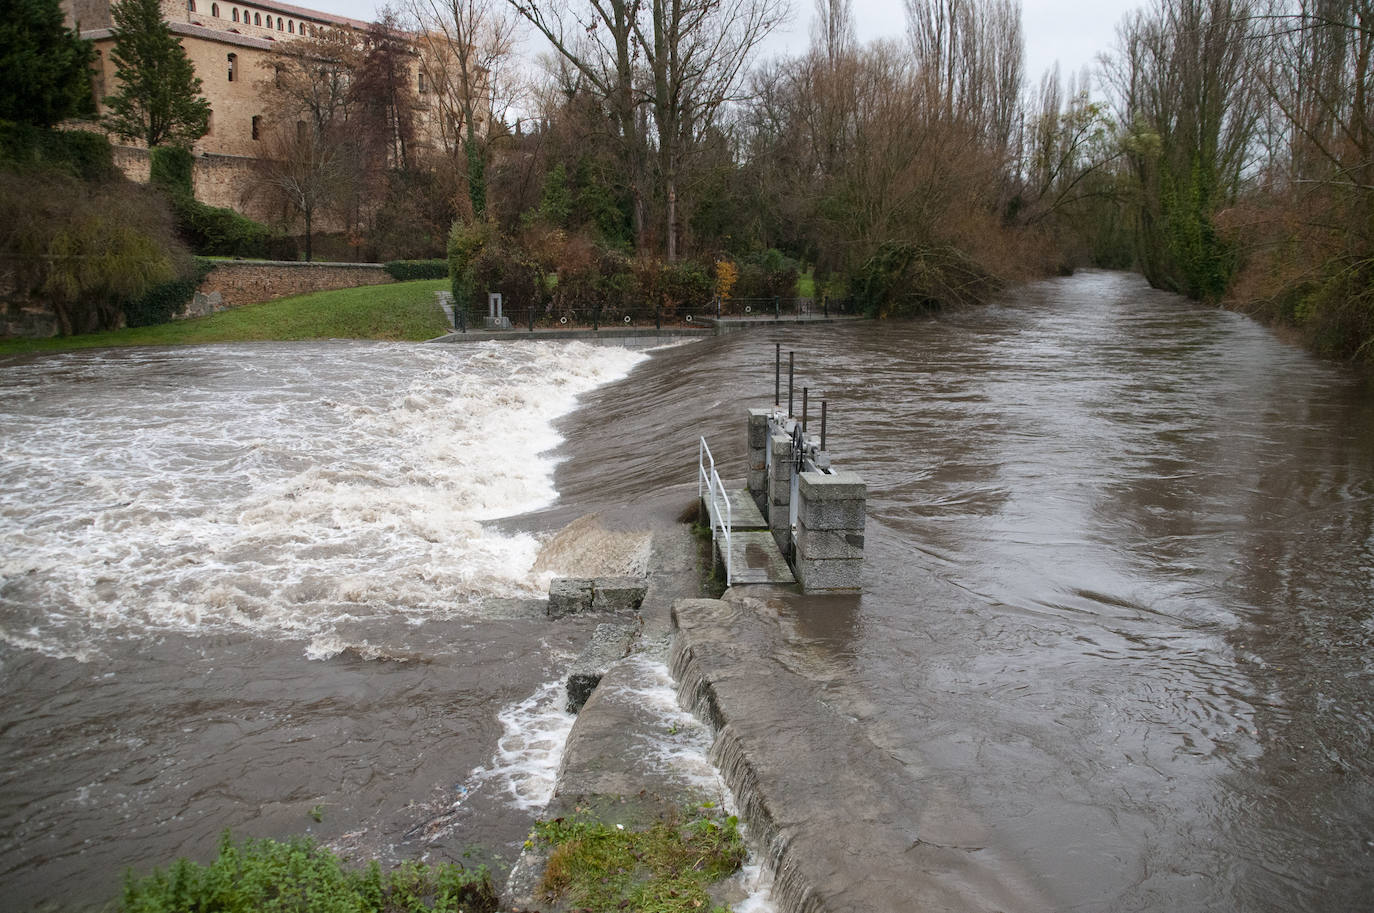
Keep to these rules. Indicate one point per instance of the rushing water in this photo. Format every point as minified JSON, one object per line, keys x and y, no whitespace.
{"x":251,"y":587}
{"x":1119,"y":598}
{"x":1119,"y":595}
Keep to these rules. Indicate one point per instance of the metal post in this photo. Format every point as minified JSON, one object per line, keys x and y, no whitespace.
{"x":463,"y":318}
{"x":825,"y":305}
{"x":717,"y":307}
{"x":790,"y":363}
{"x":805,"y":390}
{"x":531,"y":318}
{"x":777,"y":308}
{"x":658,"y":317}
{"x":777,"y":373}
{"x":596,"y":319}
{"x":822,"y":424}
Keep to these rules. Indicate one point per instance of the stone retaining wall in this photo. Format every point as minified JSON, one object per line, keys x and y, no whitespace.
{"x":233,"y":283}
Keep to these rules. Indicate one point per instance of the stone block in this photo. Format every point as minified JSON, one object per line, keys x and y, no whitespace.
{"x":834,"y":486}
{"x":832,"y":515}
{"x":828,"y":543}
{"x":618,"y":594}
{"x":758,"y":480}
{"x":609,"y":643}
{"x":758,"y":428}
{"x":569,"y":596}
{"x":827,"y":575}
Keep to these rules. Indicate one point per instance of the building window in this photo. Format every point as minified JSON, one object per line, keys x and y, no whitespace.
{"x":257,"y":126}
{"x":257,"y":18}
{"x":235,"y":14}
{"x":214,"y":10}
{"x":279,"y":25}
{"x":291,"y":27}
{"x":190,"y":6}
{"x":233,"y":64}
{"x":422,"y":82}
{"x":210,"y":123}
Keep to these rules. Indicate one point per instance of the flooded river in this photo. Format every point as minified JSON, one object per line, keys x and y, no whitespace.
{"x":1119,"y":598}
{"x":1119,"y":595}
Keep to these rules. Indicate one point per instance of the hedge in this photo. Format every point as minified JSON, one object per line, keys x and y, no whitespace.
{"x":162,"y":302}
{"x":80,"y":153}
{"x":406,"y":270}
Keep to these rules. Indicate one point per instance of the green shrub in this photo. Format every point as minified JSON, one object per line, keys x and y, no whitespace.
{"x":903,"y":278}
{"x":298,"y":876}
{"x":406,"y":270}
{"x":162,"y":302}
{"x":215,"y":232}
{"x":465,"y":244}
{"x":171,"y":168}
{"x":79,"y":153}
{"x":685,"y":286}
{"x":84,"y":249}
{"x":768,"y":274}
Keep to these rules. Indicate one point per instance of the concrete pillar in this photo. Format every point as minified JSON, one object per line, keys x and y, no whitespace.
{"x":758,"y":452}
{"x":830,"y":532}
{"x":780,"y":469}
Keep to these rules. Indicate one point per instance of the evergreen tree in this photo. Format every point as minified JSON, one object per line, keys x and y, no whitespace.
{"x":158,"y":101}
{"x":44,"y":66}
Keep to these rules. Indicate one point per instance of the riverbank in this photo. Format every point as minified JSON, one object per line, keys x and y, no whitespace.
{"x":401,"y":312}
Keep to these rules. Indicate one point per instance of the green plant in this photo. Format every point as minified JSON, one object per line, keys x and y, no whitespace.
{"x":84,"y":249}
{"x":44,"y":66}
{"x":163,"y":302}
{"x":466,"y":241}
{"x":158,"y":98}
{"x":298,"y":876}
{"x":213,"y":231}
{"x":667,"y":867}
{"x":903,"y":278}
{"x":79,"y":153}
{"x":171,"y":167}
{"x":407,"y":270}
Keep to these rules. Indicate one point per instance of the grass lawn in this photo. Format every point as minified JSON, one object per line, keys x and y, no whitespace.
{"x":401,"y":311}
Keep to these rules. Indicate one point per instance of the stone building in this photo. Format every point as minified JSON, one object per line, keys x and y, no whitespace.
{"x":231,"y":46}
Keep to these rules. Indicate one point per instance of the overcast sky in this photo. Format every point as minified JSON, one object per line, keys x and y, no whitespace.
{"x":1069,"y":31}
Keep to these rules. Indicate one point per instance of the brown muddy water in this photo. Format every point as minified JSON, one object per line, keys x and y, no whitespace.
{"x":1119,"y":598}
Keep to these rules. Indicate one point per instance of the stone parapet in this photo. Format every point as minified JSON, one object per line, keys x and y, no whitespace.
{"x":241,"y":282}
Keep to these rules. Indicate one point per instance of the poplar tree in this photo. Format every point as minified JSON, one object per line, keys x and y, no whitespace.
{"x":44,"y":66}
{"x":159,"y":100}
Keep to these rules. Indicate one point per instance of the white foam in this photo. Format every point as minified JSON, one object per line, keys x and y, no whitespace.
{"x":530,"y":749}
{"x":274,"y":488}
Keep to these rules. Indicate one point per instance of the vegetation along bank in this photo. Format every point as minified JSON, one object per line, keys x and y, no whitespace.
{"x":1222,"y":149}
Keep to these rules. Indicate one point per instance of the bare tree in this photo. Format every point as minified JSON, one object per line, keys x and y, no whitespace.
{"x":832,"y":31}
{"x":466,"y":55}
{"x":969,"y":54}
{"x":312,"y":151}
{"x":1184,"y":79}
{"x":694,"y":55}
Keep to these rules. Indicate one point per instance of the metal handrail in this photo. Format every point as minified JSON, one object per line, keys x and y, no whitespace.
{"x":718,"y":509}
